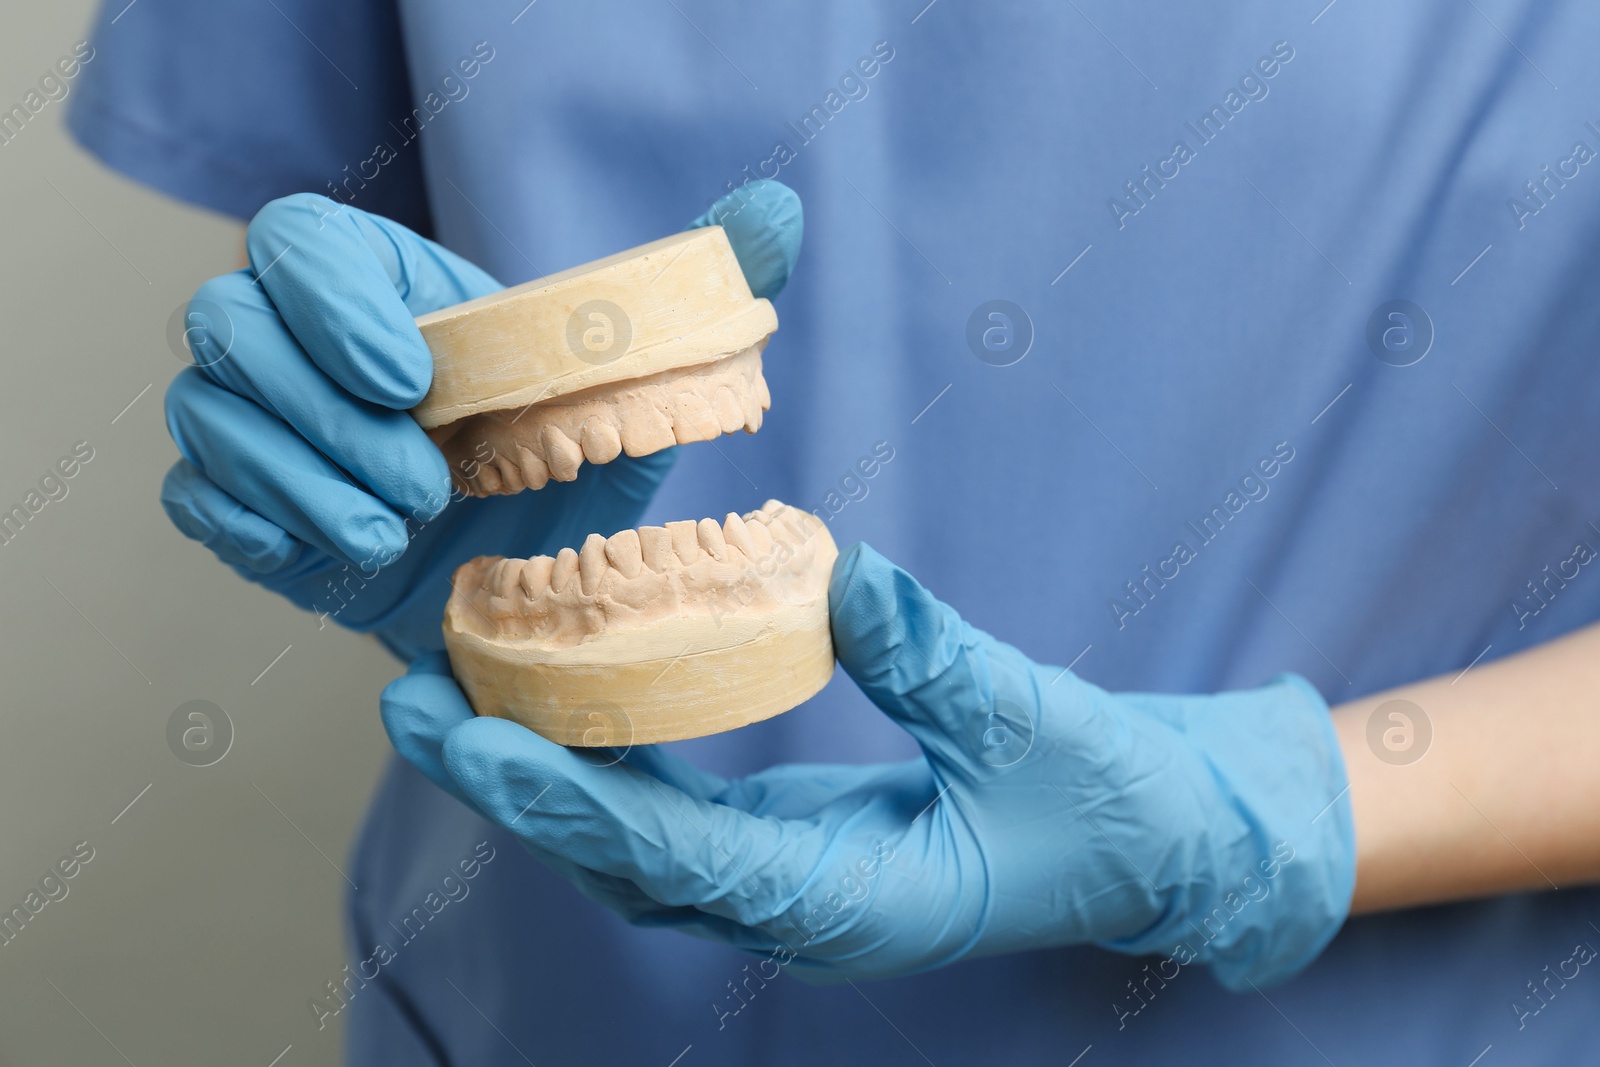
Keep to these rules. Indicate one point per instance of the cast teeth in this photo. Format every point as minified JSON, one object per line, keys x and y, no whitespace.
{"x":625,"y":553}
{"x":638,"y":570}
{"x":736,"y":533}
{"x":591,"y":564}
{"x":711,"y":539}
{"x":760,"y":537}
{"x":685,"y":540}
{"x":602,"y":441}
{"x":536,"y":574}
{"x":534,"y":471}
{"x":552,"y":439}
{"x":694,"y":420}
{"x":655,"y":547}
{"x":562,"y":570}
{"x":561,"y":453}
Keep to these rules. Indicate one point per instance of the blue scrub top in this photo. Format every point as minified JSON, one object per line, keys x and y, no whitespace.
{"x":1354,"y":246}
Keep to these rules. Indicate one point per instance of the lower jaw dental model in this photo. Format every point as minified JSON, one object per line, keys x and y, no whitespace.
{"x":650,"y":635}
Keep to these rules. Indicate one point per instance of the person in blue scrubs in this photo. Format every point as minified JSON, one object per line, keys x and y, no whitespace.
{"x":1196,"y":371}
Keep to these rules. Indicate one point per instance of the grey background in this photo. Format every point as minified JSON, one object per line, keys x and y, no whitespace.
{"x":207,"y":917}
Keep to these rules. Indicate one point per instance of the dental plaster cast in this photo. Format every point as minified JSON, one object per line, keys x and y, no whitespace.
{"x":650,"y":635}
{"x":656,"y":346}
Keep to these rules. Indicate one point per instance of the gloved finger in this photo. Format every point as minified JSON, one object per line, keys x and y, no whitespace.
{"x":419,"y":709}
{"x":787,"y":791}
{"x":383,"y":449}
{"x":970,"y":701}
{"x":236,"y":534}
{"x":800,"y":790}
{"x":764,"y":223}
{"x":619,"y":821}
{"x":674,"y":770}
{"x":349,"y":284}
{"x":696,"y":923}
{"x":273,"y":471}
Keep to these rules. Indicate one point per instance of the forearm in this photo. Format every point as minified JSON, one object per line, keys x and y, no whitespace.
{"x":1506,"y":796}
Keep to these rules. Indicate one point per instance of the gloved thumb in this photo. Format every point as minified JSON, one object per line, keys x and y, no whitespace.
{"x":349,"y":285}
{"x":969,"y":700}
{"x":764,"y":223}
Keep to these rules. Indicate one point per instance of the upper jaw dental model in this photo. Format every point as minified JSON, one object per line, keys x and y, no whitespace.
{"x":655,"y":346}
{"x":650,"y":635}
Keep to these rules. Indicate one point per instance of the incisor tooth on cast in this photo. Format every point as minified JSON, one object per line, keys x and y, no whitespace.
{"x":655,"y":545}
{"x":646,"y":430}
{"x":711,"y":539}
{"x":625,"y":552}
{"x":695,"y":420}
{"x":565,"y":566}
{"x":536,"y":575}
{"x":601,"y":442}
{"x":591,"y":564}
{"x":685,"y":540}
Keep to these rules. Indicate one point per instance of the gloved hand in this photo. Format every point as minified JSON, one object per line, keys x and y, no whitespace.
{"x":301,"y":467}
{"x":1044,"y":811}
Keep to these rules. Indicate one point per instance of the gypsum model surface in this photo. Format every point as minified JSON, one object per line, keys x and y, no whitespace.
{"x":650,"y":635}
{"x":655,"y":346}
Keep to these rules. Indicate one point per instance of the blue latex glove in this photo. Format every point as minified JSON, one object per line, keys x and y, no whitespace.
{"x":301,"y":467}
{"x":1044,"y":811}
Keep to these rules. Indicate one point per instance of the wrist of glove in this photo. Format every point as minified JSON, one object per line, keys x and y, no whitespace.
{"x":1265,"y":873}
{"x":1043,"y":811}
